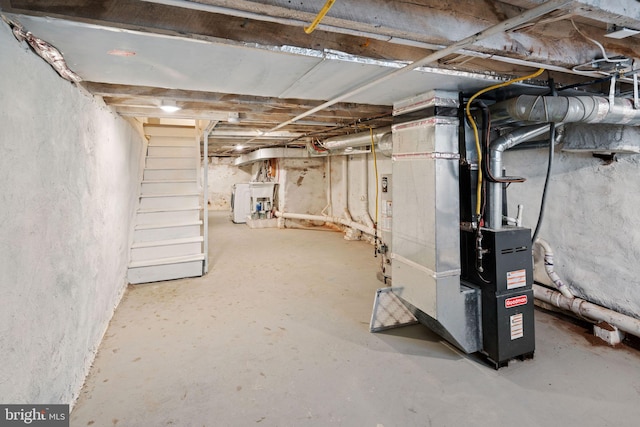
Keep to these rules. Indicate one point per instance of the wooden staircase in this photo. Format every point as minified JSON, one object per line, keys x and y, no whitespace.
{"x":168,"y":234}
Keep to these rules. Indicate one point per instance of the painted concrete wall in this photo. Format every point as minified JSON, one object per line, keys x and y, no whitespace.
{"x":222,"y":176}
{"x":302,"y":186}
{"x":590,"y":221}
{"x":69,"y":177}
{"x":356,"y":188}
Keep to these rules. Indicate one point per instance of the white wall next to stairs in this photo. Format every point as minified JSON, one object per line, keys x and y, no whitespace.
{"x":222,"y":175}
{"x":69,"y":174}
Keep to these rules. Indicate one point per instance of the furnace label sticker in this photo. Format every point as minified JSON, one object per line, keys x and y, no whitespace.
{"x":516,"y":279}
{"x":517,"y":329}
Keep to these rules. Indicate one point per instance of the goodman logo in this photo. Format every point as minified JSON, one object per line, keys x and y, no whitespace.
{"x":36,"y":415}
{"x":515,"y":301}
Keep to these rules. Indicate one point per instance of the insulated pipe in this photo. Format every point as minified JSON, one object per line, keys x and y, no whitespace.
{"x":588,"y":310}
{"x":333,"y":219}
{"x":497,"y":147}
{"x":360,"y":139}
{"x":566,"y":109}
{"x":345,"y":186}
{"x":548,"y":266}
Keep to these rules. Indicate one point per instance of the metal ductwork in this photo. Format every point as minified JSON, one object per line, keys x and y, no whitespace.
{"x":361,"y":139}
{"x":271,"y":153}
{"x":497,"y":147}
{"x":566,"y":109}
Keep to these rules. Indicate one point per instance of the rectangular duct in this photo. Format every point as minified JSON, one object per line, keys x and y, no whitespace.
{"x":426,"y":219}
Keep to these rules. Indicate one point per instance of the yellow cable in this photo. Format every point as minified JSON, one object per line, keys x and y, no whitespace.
{"x":321,"y":15}
{"x":475,"y":127}
{"x":375,"y":167}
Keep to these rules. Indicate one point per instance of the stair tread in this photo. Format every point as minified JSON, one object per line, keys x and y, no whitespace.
{"x":167,"y":225}
{"x":171,"y":157}
{"x":154,"y":168}
{"x":167,"y":181}
{"x":167,"y":242}
{"x":168,"y":194}
{"x":164,"y":261}
{"x":152,"y":210}
{"x":174,"y":146}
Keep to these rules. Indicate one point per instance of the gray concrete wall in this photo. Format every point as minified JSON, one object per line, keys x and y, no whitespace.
{"x":69,"y":174}
{"x":590,"y":221}
{"x":222,"y":176}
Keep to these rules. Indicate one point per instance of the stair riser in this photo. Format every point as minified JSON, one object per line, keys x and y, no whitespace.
{"x":154,"y":234}
{"x":164,"y":272}
{"x":160,"y":151}
{"x":164,"y":217}
{"x":169,"y":251}
{"x":174,"y":202}
{"x":159,"y":141}
{"x":168,"y":187}
{"x":176,"y":163}
{"x":157,"y":174}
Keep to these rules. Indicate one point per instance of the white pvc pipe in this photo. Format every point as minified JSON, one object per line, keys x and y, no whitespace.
{"x":548,"y":266}
{"x":327,"y":163}
{"x":333,"y":219}
{"x":502,"y":27}
{"x":345,"y":185}
{"x":588,"y":310}
{"x":364,"y":198}
{"x":371,"y":35}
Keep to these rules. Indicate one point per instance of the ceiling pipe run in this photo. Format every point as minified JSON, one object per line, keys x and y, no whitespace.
{"x":368,"y":34}
{"x":504,"y":26}
{"x":361,"y":139}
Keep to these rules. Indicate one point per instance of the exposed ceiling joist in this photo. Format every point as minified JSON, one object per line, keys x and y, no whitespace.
{"x":252,"y":59}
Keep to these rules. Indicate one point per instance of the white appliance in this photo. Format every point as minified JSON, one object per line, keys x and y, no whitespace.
{"x":240,"y":203}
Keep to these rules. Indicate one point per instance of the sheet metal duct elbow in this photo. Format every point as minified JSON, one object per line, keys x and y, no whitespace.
{"x":566,"y":109}
{"x":497,"y":147}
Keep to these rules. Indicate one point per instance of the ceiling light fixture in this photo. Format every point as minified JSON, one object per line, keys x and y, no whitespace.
{"x":169,"y":106}
{"x":234,"y":117}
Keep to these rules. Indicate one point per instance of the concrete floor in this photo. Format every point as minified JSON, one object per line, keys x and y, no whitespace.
{"x":277,"y":335}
